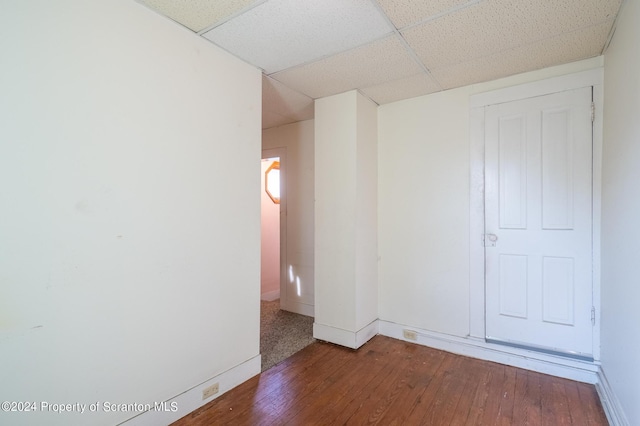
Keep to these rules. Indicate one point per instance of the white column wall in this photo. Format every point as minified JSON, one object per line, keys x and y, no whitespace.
{"x":366,"y":213}
{"x":335,"y":209}
{"x":345,"y":219}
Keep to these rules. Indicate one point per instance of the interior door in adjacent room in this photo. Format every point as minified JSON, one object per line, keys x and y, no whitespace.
{"x":538,"y":223}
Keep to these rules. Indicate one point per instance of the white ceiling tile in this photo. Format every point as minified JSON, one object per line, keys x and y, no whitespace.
{"x":279,"y":34}
{"x":491,"y":26}
{"x":321,"y":48}
{"x":478,"y":30}
{"x":545,"y":19}
{"x":406,"y":12}
{"x":409,"y":87}
{"x":573,"y":46}
{"x":198,"y":14}
{"x":365,"y":66}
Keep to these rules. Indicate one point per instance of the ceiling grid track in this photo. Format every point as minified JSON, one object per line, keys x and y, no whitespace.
{"x":390,"y":50}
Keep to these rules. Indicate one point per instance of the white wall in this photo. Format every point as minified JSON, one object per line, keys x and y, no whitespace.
{"x":424,"y":212}
{"x":129,"y":208}
{"x":345,"y":219}
{"x":269,"y":241}
{"x":423,"y":199}
{"x":298,"y":140}
{"x":621,"y":214}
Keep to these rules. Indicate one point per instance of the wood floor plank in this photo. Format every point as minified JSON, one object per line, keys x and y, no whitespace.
{"x":442,"y":408}
{"x":391,"y":382}
{"x":495,"y":383}
{"x":526,"y":406}
{"x":476,"y":410}
{"x":505,"y":412}
{"x":422,"y":410}
{"x":291,"y":399}
{"x":357,"y":368}
{"x":534,"y":396}
{"x":590,"y":403}
{"x":426,"y":363}
{"x":578,"y":415}
{"x":275,"y":380}
{"x":357,"y":400}
{"x":357,"y":378}
{"x":474,"y":373}
{"x":554,"y":408}
{"x":386,"y":392}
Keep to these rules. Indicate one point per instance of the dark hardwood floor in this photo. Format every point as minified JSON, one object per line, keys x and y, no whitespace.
{"x":391,"y":382}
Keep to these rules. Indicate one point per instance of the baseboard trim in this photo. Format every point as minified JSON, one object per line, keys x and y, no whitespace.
{"x":350,"y":339}
{"x":367,"y":333}
{"x":610,"y":402}
{"x":191,"y":399}
{"x":298,"y":308}
{"x":582,"y":371}
{"x":270,"y":296}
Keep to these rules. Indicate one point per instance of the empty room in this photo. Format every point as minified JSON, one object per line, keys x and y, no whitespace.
{"x":458,"y":211}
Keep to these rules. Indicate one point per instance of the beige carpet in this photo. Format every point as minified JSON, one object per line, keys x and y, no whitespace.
{"x":282,"y":333}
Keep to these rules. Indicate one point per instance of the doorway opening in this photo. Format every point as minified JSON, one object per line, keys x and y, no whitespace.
{"x":282,"y":333}
{"x":270,"y":206}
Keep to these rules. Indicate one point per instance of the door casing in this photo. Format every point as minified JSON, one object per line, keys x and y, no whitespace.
{"x":591,"y":78}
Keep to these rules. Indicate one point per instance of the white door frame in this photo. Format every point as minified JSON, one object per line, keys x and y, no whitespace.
{"x":591,"y":78}
{"x":282,"y":154}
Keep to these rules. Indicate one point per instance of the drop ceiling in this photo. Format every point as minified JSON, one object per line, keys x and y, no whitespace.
{"x":391,"y":49}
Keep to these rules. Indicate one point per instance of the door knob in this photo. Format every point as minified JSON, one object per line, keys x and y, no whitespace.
{"x":490,"y":240}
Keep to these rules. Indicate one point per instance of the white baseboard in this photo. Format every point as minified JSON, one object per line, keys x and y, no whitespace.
{"x":350,"y":339}
{"x":582,"y":371}
{"x":191,"y":399}
{"x":270,"y":296}
{"x":298,"y":308}
{"x":610,"y":402}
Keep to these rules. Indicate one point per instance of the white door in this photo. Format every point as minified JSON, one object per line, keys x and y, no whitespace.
{"x":538,"y":223}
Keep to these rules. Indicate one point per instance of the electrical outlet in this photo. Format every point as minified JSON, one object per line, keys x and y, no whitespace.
{"x":410,"y":334}
{"x":210,"y":391}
